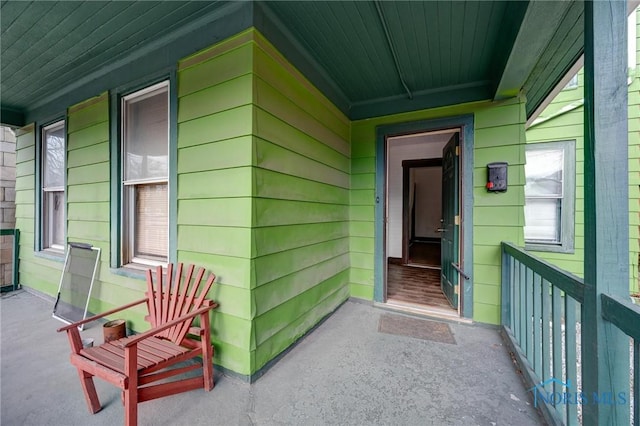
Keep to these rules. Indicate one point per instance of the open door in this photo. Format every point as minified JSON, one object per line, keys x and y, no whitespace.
{"x":450,"y":221}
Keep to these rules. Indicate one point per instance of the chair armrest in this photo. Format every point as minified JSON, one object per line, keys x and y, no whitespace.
{"x":134,"y":340}
{"x":104,"y":314}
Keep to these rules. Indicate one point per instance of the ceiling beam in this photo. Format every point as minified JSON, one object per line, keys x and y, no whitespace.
{"x":11,"y":117}
{"x":424,"y":99}
{"x":536,"y":31}
{"x":394,"y":53}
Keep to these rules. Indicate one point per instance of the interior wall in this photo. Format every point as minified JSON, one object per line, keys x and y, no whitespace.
{"x":400,"y":149}
{"x":428,"y":200}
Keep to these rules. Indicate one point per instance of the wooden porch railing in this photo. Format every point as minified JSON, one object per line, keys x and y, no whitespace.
{"x":542,"y":308}
{"x":626,"y":316}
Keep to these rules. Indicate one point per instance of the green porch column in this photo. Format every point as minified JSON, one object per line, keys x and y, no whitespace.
{"x":605,"y":350}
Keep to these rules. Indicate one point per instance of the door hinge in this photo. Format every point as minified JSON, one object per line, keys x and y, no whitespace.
{"x":457,"y":151}
{"x":456,"y":220}
{"x":455,"y":289}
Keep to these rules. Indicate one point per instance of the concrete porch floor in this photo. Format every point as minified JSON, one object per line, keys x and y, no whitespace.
{"x":344,"y":372}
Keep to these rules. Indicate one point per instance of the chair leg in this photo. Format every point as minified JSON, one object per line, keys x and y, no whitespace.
{"x":89,"y":389}
{"x":207,"y":353}
{"x":131,"y":407}
{"x":207,"y":369}
{"x":131,"y":390}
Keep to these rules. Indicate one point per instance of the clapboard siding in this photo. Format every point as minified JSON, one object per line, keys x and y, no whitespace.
{"x":215,"y":184}
{"x":569,"y":126}
{"x":498,"y":136}
{"x":634,"y":169}
{"x":88,"y":203}
{"x":37,"y":272}
{"x":562,"y":127}
{"x":301,"y":204}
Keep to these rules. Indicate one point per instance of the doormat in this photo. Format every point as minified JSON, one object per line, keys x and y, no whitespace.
{"x":416,"y":328}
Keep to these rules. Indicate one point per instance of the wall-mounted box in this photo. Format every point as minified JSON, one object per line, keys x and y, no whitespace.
{"x":497,"y":177}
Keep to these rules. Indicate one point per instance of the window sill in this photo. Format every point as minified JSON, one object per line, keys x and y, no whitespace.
{"x":549,"y":248}
{"x":51,"y":254}
{"x":131,"y":271}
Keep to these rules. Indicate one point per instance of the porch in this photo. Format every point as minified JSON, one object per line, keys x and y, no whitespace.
{"x":345,"y":372}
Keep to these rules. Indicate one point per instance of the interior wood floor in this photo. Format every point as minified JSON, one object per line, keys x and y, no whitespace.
{"x":416,"y":285}
{"x":427,"y":254}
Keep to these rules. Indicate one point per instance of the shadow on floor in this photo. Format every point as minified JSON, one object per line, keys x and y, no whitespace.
{"x":344,"y":372}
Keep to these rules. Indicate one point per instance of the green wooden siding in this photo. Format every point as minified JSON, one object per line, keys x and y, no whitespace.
{"x":275,"y":194}
{"x":499,"y":136}
{"x":215,"y":184}
{"x":301,"y":204}
{"x":634,"y":169}
{"x":35,"y":270}
{"x":567,"y":126}
{"x":88,"y":204}
{"x":560,"y":125}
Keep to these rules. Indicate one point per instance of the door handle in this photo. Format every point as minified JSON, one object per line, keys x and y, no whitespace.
{"x":441,"y":230}
{"x":457,"y":268}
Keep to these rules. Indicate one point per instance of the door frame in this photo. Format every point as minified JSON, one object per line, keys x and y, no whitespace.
{"x":465,"y":124}
{"x":407,"y":165}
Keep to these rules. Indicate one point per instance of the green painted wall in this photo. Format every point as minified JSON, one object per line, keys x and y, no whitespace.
{"x":634,"y":180}
{"x":263,"y":194}
{"x":498,"y":136}
{"x":263,"y":166}
{"x":38,"y":271}
{"x":563,"y":119}
{"x":566,"y":126}
{"x":301,"y":204}
{"x":215,"y":184}
{"x":88,"y":197}
{"x":271,"y":196}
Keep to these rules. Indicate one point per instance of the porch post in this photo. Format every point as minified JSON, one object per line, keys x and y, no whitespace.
{"x":605,"y":349}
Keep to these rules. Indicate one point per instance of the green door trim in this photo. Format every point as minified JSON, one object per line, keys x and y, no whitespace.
{"x":465,"y":122}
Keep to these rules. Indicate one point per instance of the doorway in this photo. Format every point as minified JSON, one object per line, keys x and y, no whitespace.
{"x":423,"y":239}
{"x":421,"y":212}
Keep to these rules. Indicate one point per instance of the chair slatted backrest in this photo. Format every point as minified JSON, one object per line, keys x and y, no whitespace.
{"x":177,"y":297}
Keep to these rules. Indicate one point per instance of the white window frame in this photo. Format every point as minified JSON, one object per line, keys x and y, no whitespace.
{"x":566,"y":241}
{"x":46,"y":216}
{"x":127,"y":187}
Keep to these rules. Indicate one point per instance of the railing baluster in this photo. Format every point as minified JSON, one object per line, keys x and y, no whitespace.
{"x":505,"y":291}
{"x":537,"y":324}
{"x":570,"y":357}
{"x":556,"y":303}
{"x":546,"y":333}
{"x":515,"y":328}
{"x":528,"y":286}
{"x":512,"y":299}
{"x":636,"y":382}
{"x":522,"y":302}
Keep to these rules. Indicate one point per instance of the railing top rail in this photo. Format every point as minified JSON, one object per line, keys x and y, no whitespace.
{"x":623,"y":314}
{"x":8,"y":231}
{"x":565,"y":281}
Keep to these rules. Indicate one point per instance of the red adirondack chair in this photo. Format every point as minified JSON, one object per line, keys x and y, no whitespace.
{"x":133,"y":363}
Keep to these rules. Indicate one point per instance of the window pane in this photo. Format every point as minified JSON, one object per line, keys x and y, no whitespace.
{"x":53,"y":152}
{"x":544,"y":172}
{"x":53,"y":220}
{"x":542,"y":220}
{"x":151,"y":222}
{"x":146,"y":135}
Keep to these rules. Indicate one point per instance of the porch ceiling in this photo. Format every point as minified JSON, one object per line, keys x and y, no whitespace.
{"x":370,"y":57}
